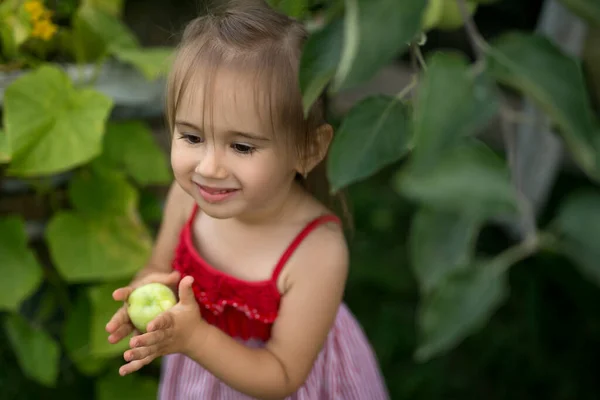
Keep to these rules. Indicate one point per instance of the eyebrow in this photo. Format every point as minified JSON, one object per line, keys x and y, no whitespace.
{"x":247,"y":135}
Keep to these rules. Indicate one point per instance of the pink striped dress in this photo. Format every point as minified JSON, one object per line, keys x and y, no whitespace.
{"x":346,"y":368}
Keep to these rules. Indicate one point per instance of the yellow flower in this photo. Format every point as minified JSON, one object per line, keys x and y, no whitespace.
{"x":35,"y":8}
{"x":43,"y":29}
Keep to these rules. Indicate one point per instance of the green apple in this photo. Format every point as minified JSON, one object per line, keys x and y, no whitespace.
{"x":146,"y":302}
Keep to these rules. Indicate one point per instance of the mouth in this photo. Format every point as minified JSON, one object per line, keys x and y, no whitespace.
{"x":215,"y":194}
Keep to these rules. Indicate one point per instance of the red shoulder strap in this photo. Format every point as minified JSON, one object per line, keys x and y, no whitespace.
{"x":299,"y":238}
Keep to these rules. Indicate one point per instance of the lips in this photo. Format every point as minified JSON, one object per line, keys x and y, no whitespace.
{"x":215,"y":190}
{"x":215,"y":194}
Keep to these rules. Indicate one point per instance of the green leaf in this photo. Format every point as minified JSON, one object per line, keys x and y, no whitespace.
{"x":459,"y":306}
{"x":4,"y":148}
{"x":103,"y":192}
{"x":37,"y":353}
{"x":587,"y":9}
{"x":111,"y":7}
{"x":535,"y":66}
{"x":319,"y":61}
{"x":51,"y":126}
{"x":450,"y":105}
{"x":103,"y":307}
{"x":440,"y":244}
{"x":88,"y":249}
{"x":294,"y":8}
{"x":373,"y":135}
{"x":469,"y":179}
{"x":578,"y":226}
{"x":375,"y":31}
{"x":104,"y":29}
{"x":151,"y":62}
{"x":21,"y":272}
{"x":130,"y":387}
{"x":131,"y":145}
{"x":77,"y":338}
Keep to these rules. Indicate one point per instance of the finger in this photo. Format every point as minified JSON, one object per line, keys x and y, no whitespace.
{"x":135,"y":365}
{"x":161,"y":322}
{"x":121,"y":294}
{"x":119,"y":318}
{"x":160,"y":277}
{"x":149,"y":339}
{"x":120,"y":333}
{"x":140,"y":353}
{"x":186,"y":294}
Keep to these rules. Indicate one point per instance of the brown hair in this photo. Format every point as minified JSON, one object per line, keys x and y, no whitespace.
{"x":252,"y":37}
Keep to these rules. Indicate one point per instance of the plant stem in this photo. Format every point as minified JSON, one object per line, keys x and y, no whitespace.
{"x":416,"y":50}
{"x":408,"y":88}
{"x":478,"y":43}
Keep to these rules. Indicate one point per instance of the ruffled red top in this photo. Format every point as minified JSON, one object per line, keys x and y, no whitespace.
{"x":242,"y":309}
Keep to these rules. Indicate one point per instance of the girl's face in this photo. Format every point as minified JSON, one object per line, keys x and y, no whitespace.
{"x":236,"y":168}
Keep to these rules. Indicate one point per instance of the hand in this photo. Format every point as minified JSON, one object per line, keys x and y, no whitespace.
{"x":173,"y":331}
{"x":120,"y":325}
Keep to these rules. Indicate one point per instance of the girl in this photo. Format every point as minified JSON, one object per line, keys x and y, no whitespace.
{"x":258,"y":263}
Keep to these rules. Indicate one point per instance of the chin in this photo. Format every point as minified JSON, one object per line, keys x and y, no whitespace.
{"x":218,"y":211}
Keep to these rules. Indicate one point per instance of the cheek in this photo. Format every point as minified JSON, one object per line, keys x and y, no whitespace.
{"x":182,"y":160}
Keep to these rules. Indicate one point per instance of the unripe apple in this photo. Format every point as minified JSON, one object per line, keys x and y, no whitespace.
{"x":146,"y":302}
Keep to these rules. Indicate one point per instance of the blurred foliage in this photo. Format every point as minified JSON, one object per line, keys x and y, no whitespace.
{"x":454,"y":306}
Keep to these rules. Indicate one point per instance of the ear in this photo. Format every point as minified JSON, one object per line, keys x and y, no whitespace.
{"x":319,"y":146}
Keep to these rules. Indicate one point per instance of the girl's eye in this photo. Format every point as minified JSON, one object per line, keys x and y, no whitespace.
{"x":243,"y":148}
{"x":191,"y":139}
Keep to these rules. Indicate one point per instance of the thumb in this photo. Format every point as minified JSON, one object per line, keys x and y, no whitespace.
{"x":186,"y":294}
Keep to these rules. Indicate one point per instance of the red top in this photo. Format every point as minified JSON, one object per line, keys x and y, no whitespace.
{"x":240,"y":308}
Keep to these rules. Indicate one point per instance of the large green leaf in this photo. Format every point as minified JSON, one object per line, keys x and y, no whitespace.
{"x":51,"y":125}
{"x":587,"y":9}
{"x":18,"y":266}
{"x":469,"y":179}
{"x":37,"y":353}
{"x":4,"y":147}
{"x":86,"y":248}
{"x":101,"y":192}
{"x":103,"y":307}
{"x":451,"y":103}
{"x":535,"y":66}
{"x":440,"y":243}
{"x":459,"y":306}
{"x":578,"y":228}
{"x":131,"y":145}
{"x":320,"y":58}
{"x":130,"y":387}
{"x":373,"y":135}
{"x":152,"y":62}
{"x":77,"y":338}
{"x":375,"y":31}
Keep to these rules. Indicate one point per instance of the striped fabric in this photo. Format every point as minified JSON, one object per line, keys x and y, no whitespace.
{"x":346,"y":369}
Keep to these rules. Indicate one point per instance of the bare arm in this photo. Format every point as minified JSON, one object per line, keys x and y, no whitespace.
{"x":314,"y":291}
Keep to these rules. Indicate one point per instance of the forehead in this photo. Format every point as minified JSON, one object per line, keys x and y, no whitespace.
{"x":225,"y":100}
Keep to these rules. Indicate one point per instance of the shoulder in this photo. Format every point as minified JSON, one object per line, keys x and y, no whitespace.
{"x":323,"y":254}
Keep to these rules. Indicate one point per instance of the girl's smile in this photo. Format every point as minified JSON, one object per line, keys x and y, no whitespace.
{"x":215,"y":195}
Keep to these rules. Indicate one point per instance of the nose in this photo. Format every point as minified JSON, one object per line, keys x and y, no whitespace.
{"x":211,"y":164}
